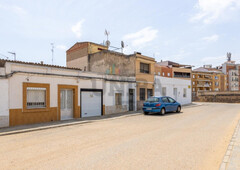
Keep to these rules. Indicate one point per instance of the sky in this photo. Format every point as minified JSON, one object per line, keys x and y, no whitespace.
{"x":194,"y":32}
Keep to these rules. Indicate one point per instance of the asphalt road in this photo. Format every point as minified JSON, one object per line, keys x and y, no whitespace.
{"x":197,"y":138}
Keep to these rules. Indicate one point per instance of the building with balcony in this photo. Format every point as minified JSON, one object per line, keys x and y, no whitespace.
{"x":232,"y":70}
{"x":175,"y":70}
{"x":207,"y":78}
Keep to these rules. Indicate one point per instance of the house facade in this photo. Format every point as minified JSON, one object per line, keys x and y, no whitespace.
{"x":175,"y":70}
{"x":36,"y":93}
{"x":97,"y":58}
{"x":232,"y":70}
{"x":178,"y":89}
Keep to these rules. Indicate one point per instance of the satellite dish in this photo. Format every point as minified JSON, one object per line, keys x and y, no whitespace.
{"x":108,"y":43}
{"x":122,"y":44}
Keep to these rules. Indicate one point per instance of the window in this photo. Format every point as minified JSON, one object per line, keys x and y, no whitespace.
{"x":193,"y":89}
{"x":164,"y":90}
{"x":171,"y":100}
{"x":142,"y":94}
{"x":193,"y":82}
{"x":159,"y":73}
{"x":182,"y":75}
{"x":216,"y":77}
{"x":193,"y":76}
{"x":36,"y":97}
{"x":168,"y":74}
{"x":149,"y":93}
{"x":216,"y":83}
{"x":153,"y":99}
{"x":118,"y":99}
{"x":163,"y":74}
{"x":165,"y":100}
{"x":144,"y":68}
{"x":184,"y":92}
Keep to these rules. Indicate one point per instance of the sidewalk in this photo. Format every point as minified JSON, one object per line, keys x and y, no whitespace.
{"x":231,"y":159}
{"x":55,"y":124}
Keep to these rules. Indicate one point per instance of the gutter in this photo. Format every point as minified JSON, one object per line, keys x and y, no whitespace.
{"x":63,"y":75}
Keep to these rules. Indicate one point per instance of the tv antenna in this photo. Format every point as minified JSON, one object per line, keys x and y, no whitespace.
{"x":52,"y":44}
{"x":4,"y":56}
{"x":122,"y":46}
{"x":107,"y":33}
{"x":14,"y":54}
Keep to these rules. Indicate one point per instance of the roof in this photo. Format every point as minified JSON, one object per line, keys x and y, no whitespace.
{"x":207,"y":70}
{"x":173,"y":64}
{"x":85,"y":42}
{"x":113,"y":52}
{"x":3,"y":61}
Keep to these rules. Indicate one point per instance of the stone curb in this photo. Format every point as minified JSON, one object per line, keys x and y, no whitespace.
{"x":226,"y":158}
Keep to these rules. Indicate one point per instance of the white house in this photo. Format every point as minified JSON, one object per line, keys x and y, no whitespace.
{"x":178,"y":89}
{"x":35,"y":93}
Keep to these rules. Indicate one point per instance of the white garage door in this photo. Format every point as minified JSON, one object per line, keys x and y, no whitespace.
{"x":91,"y":103}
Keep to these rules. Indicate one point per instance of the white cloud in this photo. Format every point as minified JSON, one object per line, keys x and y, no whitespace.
{"x":212,"y":38}
{"x":77,"y":28}
{"x":211,"y":10}
{"x":15,"y":9}
{"x":61,"y":47}
{"x":141,"y":37}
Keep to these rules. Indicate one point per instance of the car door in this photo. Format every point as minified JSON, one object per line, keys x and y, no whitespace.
{"x":173,"y":104}
{"x":166,"y":104}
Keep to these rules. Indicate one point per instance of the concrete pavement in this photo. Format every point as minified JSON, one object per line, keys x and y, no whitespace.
{"x":197,"y":138}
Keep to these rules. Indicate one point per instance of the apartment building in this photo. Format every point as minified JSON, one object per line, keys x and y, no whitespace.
{"x":232,"y":70}
{"x":207,"y":78}
{"x":97,"y":58}
{"x":175,"y":70}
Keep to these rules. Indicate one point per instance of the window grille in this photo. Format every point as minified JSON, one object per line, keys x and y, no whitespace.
{"x":142,"y":94}
{"x":36,"y":97}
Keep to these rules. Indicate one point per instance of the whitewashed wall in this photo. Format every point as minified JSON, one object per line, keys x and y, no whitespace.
{"x":109,"y":87}
{"x":170,"y":84}
{"x":4,"y":111}
{"x":118,"y":87}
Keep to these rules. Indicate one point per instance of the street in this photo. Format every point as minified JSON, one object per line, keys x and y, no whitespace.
{"x":197,"y":138}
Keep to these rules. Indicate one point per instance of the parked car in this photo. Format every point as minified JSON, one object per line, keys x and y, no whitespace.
{"x":161,"y":105}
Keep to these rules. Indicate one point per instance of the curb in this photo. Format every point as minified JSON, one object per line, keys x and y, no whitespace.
{"x":66,"y":124}
{"x":227,"y":156}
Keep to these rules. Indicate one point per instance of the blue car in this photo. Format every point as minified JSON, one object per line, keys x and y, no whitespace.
{"x":161,"y":105}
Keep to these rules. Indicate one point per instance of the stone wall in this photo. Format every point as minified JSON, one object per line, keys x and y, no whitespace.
{"x":115,"y":109}
{"x":112,"y":63}
{"x":221,"y":97}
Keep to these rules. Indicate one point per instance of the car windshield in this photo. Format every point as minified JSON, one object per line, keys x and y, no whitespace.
{"x":152,"y":99}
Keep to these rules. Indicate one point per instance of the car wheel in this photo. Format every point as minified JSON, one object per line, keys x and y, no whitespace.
{"x":163,"y":111}
{"x":178,"y":109}
{"x":146,"y":113}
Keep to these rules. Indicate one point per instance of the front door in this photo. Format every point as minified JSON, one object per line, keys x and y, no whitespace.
{"x":66,"y":104}
{"x":131,"y":99}
{"x":175,"y":93}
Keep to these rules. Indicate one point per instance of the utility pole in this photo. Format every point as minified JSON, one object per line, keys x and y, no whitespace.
{"x":14,"y":54}
{"x":52,"y":44}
